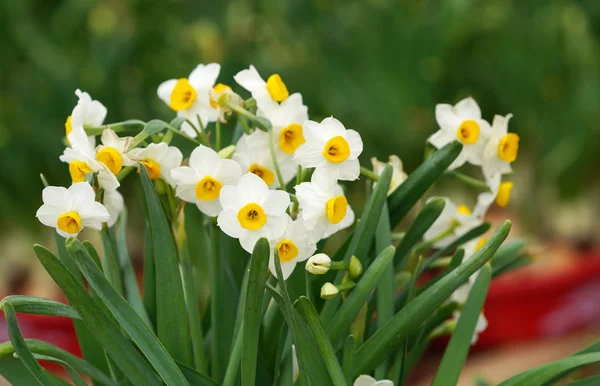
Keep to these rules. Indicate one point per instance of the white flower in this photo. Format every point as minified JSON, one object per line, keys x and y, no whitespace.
{"x":87,"y":111}
{"x":201,"y":182}
{"x":499,"y":192}
{"x":114,"y":204}
{"x":81,"y":159}
{"x":251,"y":211}
{"x":460,"y":296}
{"x":190,"y":97}
{"x":365,"y":380}
{"x":266,"y":93}
{"x":453,"y":222}
{"x":253,"y":155}
{"x":398,"y":175}
{"x":71,"y":210}
{"x":159,"y":159}
{"x":292,"y":247}
{"x":114,"y":151}
{"x":295,"y":367}
{"x":502,"y":148}
{"x":332,"y":150}
{"x":463,"y":123}
{"x":318,"y":264}
{"x":323,"y":212}
{"x":287,"y":119}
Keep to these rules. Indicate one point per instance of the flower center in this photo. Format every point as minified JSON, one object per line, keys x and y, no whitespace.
{"x":277,"y":88}
{"x":468,"y":132}
{"x":508,"y":148}
{"x":69,"y":222}
{"x":290,"y":138}
{"x":267,"y":176}
{"x":336,"y":149}
{"x":110,"y":157}
{"x":463,"y":209}
{"x":183,"y":95}
{"x":287,"y":250}
{"x":336,"y":209}
{"x":218,"y":90}
{"x":78,"y":170}
{"x":68,"y":126}
{"x":504,"y":194}
{"x":152,"y":167}
{"x":207,"y":189}
{"x":252,"y":216}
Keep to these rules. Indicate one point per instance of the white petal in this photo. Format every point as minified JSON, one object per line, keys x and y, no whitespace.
{"x":58,"y":197}
{"x":251,"y":188}
{"x":287,"y":267}
{"x":364,"y":380}
{"x":48,"y":215}
{"x":229,"y":198}
{"x":308,"y":157}
{"x":384,"y":382}
{"x":248,"y":240}
{"x":184,"y":175}
{"x":468,"y":109}
{"x":210,"y":208}
{"x":459,"y":161}
{"x":441,"y":138}
{"x":333,"y":127}
{"x":204,"y":160}
{"x":349,"y":170}
{"x":65,"y":234}
{"x":274,"y":227}
{"x":165,"y":89}
{"x":106,"y":179}
{"x":445,"y":116}
{"x":203,"y":77}
{"x":96,"y":113}
{"x":228,"y":172}
{"x":250,"y":79}
{"x":326,"y":175}
{"x":229,"y":223}
{"x":83,"y":195}
{"x":315,"y":135}
{"x":114,"y":204}
{"x":355,"y":142}
{"x":276,"y":202}
{"x":187,"y":192}
{"x":93,"y":213}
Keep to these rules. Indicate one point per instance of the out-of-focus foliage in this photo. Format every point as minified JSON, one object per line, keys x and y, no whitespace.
{"x":379,"y":66}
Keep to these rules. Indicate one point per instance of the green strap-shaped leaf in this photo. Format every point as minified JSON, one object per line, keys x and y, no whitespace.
{"x":39,"y":373}
{"x":417,"y":183}
{"x":362,"y":238}
{"x":590,"y":381}
{"x":519,"y":262}
{"x":39,"y":306}
{"x":13,"y":370}
{"x":104,"y":330}
{"x":110,"y":260}
{"x":310,"y":316}
{"x":44,"y":348}
{"x":252,"y":313}
{"x":171,"y":320}
{"x":507,"y":253}
{"x":541,"y":374}
{"x":338,"y":327}
{"x":194,"y":378}
{"x":387,"y":338}
{"x":348,"y":359}
{"x":149,"y":275}
{"x":68,"y":368}
{"x":458,"y":347}
{"x":427,"y":216}
{"x":128,"y":319}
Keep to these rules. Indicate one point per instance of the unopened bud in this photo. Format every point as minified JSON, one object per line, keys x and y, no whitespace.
{"x":227,"y":152}
{"x":318,"y":264}
{"x":329,"y":291}
{"x":355,"y":269}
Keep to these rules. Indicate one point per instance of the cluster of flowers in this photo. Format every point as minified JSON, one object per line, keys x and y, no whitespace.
{"x":245,"y":189}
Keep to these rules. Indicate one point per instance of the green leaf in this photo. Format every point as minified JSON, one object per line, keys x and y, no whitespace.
{"x":104,"y":330}
{"x":456,"y":352}
{"x":417,"y":183}
{"x":541,"y":374}
{"x":149,"y":275}
{"x":70,"y":370}
{"x":171,"y":318}
{"x":39,"y":373}
{"x":388,"y":337}
{"x":256,"y":287}
{"x":362,"y":238}
{"x":519,"y":262}
{"x":39,"y":306}
{"x":194,"y":378}
{"x":348,"y":359}
{"x":338,"y":327}
{"x":310,"y":316}
{"x":427,"y":216}
{"x":13,"y":370}
{"x":590,"y":381}
{"x":110,"y":260}
{"x":126,"y":316}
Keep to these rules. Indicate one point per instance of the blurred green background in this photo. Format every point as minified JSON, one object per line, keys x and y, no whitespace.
{"x":380,"y":66}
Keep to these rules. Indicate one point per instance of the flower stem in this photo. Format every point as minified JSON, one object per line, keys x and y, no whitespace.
{"x":125,"y":172}
{"x":472,"y":182}
{"x":218,"y":136}
{"x":368,"y":173}
{"x":262,"y":123}
{"x":274,"y":159}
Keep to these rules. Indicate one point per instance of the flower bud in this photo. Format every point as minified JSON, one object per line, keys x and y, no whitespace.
{"x":318,"y":264}
{"x":226,"y":152}
{"x":329,"y":291}
{"x":355,"y":269}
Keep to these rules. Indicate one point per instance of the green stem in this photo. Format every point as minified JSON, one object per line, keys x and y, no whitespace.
{"x":262,"y":123}
{"x":368,"y":173}
{"x":346,"y":286}
{"x":125,"y":172}
{"x":244,"y":123}
{"x":171,"y":201}
{"x":398,"y":236}
{"x":117,"y":127}
{"x":214,"y":268}
{"x":275,"y":162}
{"x":472,"y":182}
{"x":218,"y":136}
{"x":339,"y":266}
{"x":233,"y":367}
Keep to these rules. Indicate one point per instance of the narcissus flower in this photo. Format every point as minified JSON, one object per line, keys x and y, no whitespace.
{"x":191,"y":97}
{"x":253,"y":155}
{"x":159,"y":159}
{"x":499,"y":192}
{"x":266,"y":93}
{"x":332,"y":150}
{"x":71,"y":210}
{"x":200,"y":183}
{"x":287,"y":119}
{"x":323,"y":212}
{"x":86,"y":112}
{"x":251,"y":211}
{"x":318,"y":264}
{"x":398,"y":175}
{"x":453,"y":222}
{"x":462,"y":123}
{"x":114,"y":204}
{"x":114,"y":151}
{"x":502,"y":148}
{"x":82,"y":160}
{"x":292,"y":247}
{"x":366,"y":380}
